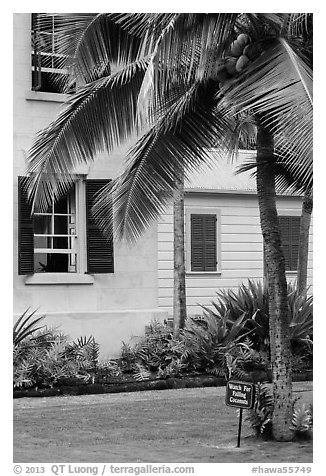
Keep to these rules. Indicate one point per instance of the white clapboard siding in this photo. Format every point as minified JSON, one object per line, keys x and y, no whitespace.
{"x":240,"y":248}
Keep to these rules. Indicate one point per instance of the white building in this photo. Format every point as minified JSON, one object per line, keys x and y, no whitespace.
{"x":64,"y":267}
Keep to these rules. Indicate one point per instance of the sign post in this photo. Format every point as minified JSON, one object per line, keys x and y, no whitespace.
{"x":240,"y":395}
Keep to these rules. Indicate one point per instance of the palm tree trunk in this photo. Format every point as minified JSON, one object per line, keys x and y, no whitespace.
{"x":304,"y":243}
{"x":179,"y":273}
{"x":277,"y":286}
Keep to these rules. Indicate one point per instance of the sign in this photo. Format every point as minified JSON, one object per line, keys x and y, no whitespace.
{"x":240,"y":394}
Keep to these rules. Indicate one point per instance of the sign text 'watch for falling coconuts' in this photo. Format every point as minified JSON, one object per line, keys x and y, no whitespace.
{"x":239,"y":394}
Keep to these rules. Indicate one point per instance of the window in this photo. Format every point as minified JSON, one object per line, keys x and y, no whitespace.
{"x":65,"y":238}
{"x":47,"y":69}
{"x":203,"y":242}
{"x":55,"y":237}
{"x":290,"y":233}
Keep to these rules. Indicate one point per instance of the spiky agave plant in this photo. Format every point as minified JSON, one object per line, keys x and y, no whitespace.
{"x":25,"y":326}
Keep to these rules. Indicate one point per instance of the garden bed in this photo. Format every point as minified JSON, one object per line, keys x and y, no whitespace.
{"x":125,"y":385}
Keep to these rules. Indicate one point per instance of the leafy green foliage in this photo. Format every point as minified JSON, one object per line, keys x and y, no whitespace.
{"x":25,"y":326}
{"x":302,"y":420}
{"x":251,"y":301}
{"x":46,"y":358}
{"x":206,"y":345}
{"x":260,"y":416}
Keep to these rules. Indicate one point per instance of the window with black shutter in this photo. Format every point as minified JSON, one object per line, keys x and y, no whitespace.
{"x":25,"y":231}
{"x":99,"y":249}
{"x":203,"y":242}
{"x":290,"y":234}
{"x":53,"y":240}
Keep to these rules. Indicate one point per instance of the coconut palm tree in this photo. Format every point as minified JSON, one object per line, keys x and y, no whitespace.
{"x":180,"y":80}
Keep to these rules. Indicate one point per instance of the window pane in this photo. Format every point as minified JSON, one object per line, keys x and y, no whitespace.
{"x":60,"y":225}
{"x":54,"y":263}
{"x":60,"y":243}
{"x":42,"y":242}
{"x":61,"y":206}
{"x":42,"y":224}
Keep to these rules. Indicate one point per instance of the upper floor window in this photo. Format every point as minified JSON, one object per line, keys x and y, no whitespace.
{"x":48,"y":72}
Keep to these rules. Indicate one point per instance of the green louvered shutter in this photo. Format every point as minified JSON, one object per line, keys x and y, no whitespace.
{"x":25,"y":232}
{"x":203,"y":242}
{"x":290,"y":234}
{"x":99,"y":249}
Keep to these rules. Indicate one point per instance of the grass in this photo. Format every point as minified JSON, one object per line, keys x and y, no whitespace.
{"x":169,"y":426}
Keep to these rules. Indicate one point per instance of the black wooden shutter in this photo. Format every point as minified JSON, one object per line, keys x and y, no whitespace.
{"x":203,"y":242}
{"x":25,"y":232}
{"x":99,"y":249}
{"x":290,"y":234}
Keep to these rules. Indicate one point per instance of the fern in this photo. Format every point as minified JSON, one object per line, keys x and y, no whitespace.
{"x":141,"y":373}
{"x":260,"y":416}
{"x":302,"y":419}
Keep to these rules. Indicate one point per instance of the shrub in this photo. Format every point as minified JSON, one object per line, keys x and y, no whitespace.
{"x":212,"y":345}
{"x":260,"y":416}
{"x":25,"y":327}
{"x":251,"y":301}
{"x":208,"y":345}
{"x":46,"y":357}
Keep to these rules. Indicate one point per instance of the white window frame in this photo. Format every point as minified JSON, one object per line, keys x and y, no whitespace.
{"x":194,"y":210}
{"x":52,"y":55}
{"x":80,"y":276}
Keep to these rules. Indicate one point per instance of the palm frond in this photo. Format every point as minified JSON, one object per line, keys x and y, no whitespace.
{"x":285,"y":101}
{"x":178,"y":142}
{"x":286,"y":181}
{"x":89,"y":45}
{"x":91,"y":122}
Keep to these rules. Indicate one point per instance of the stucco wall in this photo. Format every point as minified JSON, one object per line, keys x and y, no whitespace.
{"x":116,"y":305}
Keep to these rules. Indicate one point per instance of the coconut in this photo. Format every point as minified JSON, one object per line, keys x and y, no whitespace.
{"x":230,"y":65}
{"x":241,"y":63}
{"x":236,"y":48}
{"x":243,"y":38}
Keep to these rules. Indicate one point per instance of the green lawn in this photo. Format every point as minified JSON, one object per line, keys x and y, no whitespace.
{"x":185,"y":425}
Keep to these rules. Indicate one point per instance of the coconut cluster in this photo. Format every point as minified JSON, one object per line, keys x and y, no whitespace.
{"x":241,"y":52}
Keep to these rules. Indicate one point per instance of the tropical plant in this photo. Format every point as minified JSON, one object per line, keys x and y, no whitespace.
{"x":260,"y":416}
{"x":251,"y":300}
{"x":302,"y":420}
{"x":184,"y":78}
{"x":24,"y":326}
{"x":48,"y":358}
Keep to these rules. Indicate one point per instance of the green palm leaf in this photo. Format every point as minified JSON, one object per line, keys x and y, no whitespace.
{"x":90,"y":123}
{"x":90,"y":44}
{"x":285,"y":101}
{"x":178,"y":142}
